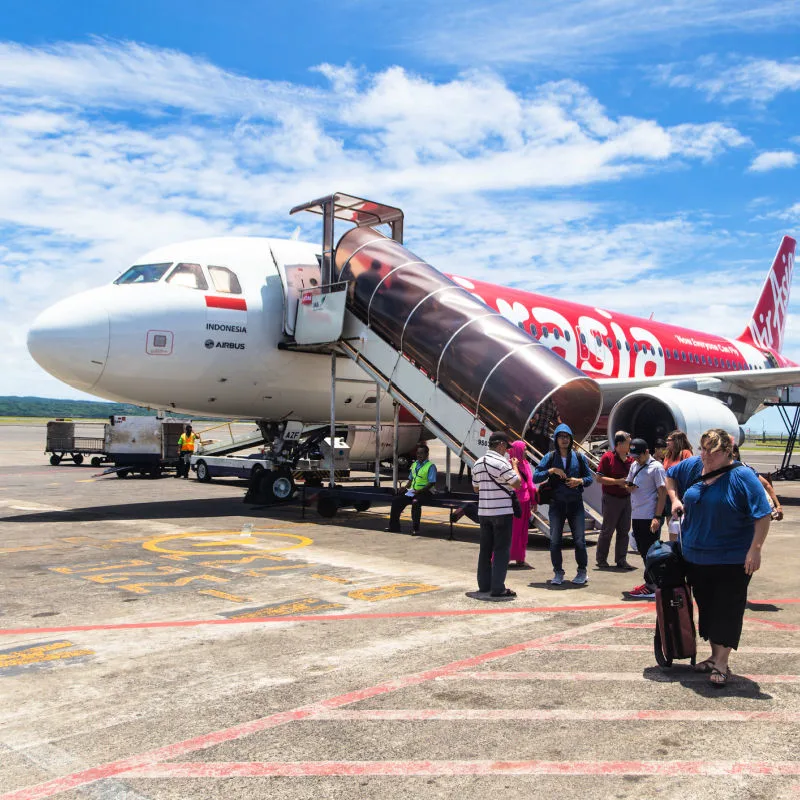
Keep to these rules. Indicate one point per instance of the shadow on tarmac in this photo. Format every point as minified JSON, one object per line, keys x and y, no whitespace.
{"x":737,"y":686}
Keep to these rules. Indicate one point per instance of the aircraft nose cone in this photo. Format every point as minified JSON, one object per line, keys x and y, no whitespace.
{"x":70,"y":339}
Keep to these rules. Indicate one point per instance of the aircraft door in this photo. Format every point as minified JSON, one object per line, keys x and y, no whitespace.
{"x":299,"y":280}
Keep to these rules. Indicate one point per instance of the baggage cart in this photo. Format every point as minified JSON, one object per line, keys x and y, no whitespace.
{"x":75,"y":441}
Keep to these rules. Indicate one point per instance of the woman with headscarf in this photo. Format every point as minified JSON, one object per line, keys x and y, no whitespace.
{"x":528,"y":500}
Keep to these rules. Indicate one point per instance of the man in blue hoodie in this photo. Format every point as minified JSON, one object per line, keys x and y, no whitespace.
{"x":568,"y":474}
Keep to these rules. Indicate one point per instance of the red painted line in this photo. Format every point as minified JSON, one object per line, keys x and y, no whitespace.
{"x":643,"y":625}
{"x":234,"y":303}
{"x":153,"y":757}
{"x":191,"y":623}
{"x":648,"y":648}
{"x":536,"y":714}
{"x":780,"y":626}
{"x":663,"y":677}
{"x":258,"y":769}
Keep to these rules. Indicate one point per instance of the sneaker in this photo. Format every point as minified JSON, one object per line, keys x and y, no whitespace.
{"x":625,"y":565}
{"x":557,"y":579}
{"x":581,"y":579}
{"x":643,"y":592}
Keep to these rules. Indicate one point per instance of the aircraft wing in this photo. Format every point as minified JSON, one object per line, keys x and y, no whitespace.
{"x":768,"y":382}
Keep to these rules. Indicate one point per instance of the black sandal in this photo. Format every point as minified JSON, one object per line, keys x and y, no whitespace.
{"x":719,"y":684}
{"x":506,"y":593}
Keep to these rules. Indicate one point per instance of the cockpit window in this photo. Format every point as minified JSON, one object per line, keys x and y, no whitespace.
{"x":224,"y":280}
{"x":189,"y":275}
{"x":143,"y":273}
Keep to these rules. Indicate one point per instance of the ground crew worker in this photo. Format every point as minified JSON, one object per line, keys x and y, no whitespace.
{"x":186,"y":449}
{"x":420,"y":486}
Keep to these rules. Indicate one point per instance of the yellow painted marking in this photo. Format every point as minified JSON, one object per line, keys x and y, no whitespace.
{"x":117,"y":577}
{"x":227,"y":561}
{"x":41,"y":653}
{"x":391,"y":591}
{"x":139,"y":588}
{"x":302,"y":606}
{"x":29,"y":547}
{"x":76,"y":539}
{"x":330,"y":578}
{"x":223,"y":539}
{"x":86,"y":480}
{"x":234,"y":598}
{"x":103,"y":566}
{"x":179,"y":558}
{"x":259,"y":571}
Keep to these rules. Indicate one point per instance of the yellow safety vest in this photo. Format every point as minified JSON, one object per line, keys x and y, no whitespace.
{"x":419,"y":475}
{"x":186,"y":443}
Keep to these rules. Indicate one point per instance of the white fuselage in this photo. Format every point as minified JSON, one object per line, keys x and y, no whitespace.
{"x":165,"y":345}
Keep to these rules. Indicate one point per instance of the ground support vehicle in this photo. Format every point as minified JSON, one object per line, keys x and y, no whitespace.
{"x":75,"y":440}
{"x":143,"y":445}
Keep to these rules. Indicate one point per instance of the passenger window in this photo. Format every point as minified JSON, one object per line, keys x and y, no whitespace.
{"x":567,"y":336}
{"x":583,"y":338}
{"x":225,"y":281}
{"x":683,"y":355}
{"x":556,"y":333}
{"x":534,"y":331}
{"x":635,"y":347}
{"x":619,"y":345}
{"x":666,"y":353}
{"x":703,"y":359}
{"x":143,"y":273}
{"x":628,"y":346}
{"x":660,"y":351}
{"x":545,"y":332}
{"x":598,"y":341}
{"x":188,"y":275}
{"x":609,"y":343}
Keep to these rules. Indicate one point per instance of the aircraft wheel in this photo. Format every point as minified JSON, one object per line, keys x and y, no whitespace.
{"x":283,"y":488}
{"x":327,"y":507}
{"x":203,"y":473}
{"x":55,"y":460}
{"x":77,"y":458}
{"x":96,"y":461}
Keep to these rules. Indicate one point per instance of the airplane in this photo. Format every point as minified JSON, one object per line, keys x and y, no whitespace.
{"x":204,"y":327}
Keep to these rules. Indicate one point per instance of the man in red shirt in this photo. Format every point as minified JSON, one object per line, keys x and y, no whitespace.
{"x":612,"y":473}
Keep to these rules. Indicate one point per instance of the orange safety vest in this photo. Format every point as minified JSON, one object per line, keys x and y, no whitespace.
{"x":186,"y":443}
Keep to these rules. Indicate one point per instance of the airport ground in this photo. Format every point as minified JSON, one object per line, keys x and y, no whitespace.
{"x":160,"y":639}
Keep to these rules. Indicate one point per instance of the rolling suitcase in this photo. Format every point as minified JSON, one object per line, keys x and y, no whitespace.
{"x":675,"y":635}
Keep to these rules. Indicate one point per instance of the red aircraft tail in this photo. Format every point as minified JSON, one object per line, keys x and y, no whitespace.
{"x":766,"y":326}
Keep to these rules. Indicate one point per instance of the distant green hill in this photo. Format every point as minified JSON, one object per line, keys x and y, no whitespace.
{"x":74,"y":409}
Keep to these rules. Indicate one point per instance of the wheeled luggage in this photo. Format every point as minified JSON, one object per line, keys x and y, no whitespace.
{"x":675,"y":635}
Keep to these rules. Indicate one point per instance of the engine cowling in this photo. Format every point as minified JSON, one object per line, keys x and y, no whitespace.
{"x":652,"y":413}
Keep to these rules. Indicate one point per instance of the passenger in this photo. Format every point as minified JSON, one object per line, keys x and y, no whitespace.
{"x":568,"y":474}
{"x":612,"y":473}
{"x":725,"y":522}
{"x":647,"y":482}
{"x":678,"y":449}
{"x":528,"y":499}
{"x":186,"y":443}
{"x":419,"y":487}
{"x":659,"y":450}
{"x":777,"y":511}
{"x":494,"y":479}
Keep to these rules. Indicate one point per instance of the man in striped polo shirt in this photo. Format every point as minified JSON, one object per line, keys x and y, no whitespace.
{"x":494,"y":478}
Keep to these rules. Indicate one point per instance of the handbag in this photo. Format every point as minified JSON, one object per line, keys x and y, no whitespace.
{"x":516,"y":508}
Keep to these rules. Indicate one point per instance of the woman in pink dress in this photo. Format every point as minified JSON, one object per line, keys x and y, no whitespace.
{"x":528,"y":500}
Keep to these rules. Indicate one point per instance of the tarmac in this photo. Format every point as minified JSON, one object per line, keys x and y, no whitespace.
{"x":161,"y":639}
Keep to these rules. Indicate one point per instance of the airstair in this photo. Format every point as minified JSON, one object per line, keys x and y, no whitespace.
{"x":458,"y":366}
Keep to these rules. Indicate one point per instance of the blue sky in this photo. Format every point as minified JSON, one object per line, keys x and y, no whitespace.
{"x":639,"y":156}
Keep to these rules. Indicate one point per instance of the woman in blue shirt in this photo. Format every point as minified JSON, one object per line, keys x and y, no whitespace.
{"x":725,"y":522}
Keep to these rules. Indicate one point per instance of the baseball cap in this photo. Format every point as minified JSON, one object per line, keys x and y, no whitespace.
{"x":638,"y":446}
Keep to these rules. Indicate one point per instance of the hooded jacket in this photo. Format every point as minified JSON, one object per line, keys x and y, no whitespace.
{"x":577,"y":467}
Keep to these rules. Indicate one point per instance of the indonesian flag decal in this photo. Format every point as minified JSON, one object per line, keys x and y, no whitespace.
{"x":231,"y":303}
{"x":226,"y":310}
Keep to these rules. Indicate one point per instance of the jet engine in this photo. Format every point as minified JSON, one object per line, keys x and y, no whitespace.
{"x":652,"y":413}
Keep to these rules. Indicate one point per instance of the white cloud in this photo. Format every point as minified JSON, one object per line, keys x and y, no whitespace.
{"x":754,"y":80}
{"x":579,"y":32}
{"x":773,"y":159}
{"x":112,"y":149}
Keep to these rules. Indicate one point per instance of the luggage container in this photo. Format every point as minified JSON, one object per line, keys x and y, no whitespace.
{"x":143,"y":445}
{"x":75,"y":440}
